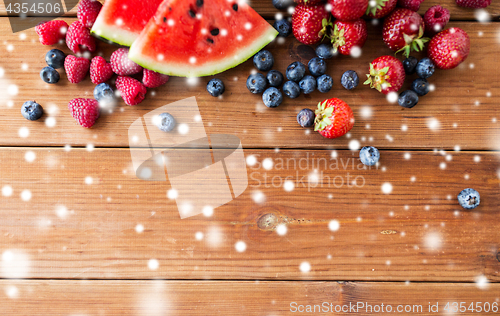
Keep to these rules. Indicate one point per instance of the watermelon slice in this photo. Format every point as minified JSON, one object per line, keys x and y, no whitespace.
{"x":121,"y":21}
{"x":194,"y":38}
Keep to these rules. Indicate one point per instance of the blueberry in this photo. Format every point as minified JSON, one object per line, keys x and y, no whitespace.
{"x":325,"y":51}
{"x":256,"y":83}
{"x":283,"y":27}
{"x":275,"y":78}
{"x":103,"y":93}
{"x":317,"y":66}
{"x":425,"y":68}
{"x":408,"y":99}
{"x":409,"y":64}
{"x":291,"y":89}
{"x":282,"y":4}
{"x":272,"y":97}
{"x":307,"y":84}
{"x":295,"y":71}
{"x":263,"y":60}
{"x":49,"y":75}
{"x":325,"y":83}
{"x":420,"y":86}
{"x":349,"y":80}
{"x":369,"y":155}
{"x":31,"y":110}
{"x":468,"y":198}
{"x":55,"y":58}
{"x":215,"y":87}
{"x":165,"y":122}
{"x":306,"y":118}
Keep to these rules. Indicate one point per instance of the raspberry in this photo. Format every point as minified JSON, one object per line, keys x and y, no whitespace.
{"x":435,"y":19}
{"x":87,"y":12}
{"x":152,"y":79}
{"x":122,"y":65}
{"x":132,"y":90}
{"x":51,"y":32}
{"x":100,"y":70}
{"x":76,"y":68}
{"x":85,"y":111}
{"x":475,"y":4}
{"x":78,"y":35}
{"x":413,"y":5}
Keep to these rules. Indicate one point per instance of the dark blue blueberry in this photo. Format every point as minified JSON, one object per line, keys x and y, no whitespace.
{"x":49,"y":75}
{"x":325,"y":51}
{"x":275,"y":78}
{"x":468,"y":198}
{"x":307,"y":84}
{"x":165,"y":122}
{"x":425,"y":68}
{"x":256,"y":83}
{"x":369,"y":155}
{"x":55,"y":58}
{"x":283,"y":27}
{"x":408,"y":99}
{"x":317,"y":66}
{"x":282,"y":4}
{"x":215,"y":87}
{"x":349,"y":80}
{"x":295,"y":71}
{"x":306,"y":118}
{"x":31,"y":110}
{"x":103,"y":93}
{"x":325,"y":83}
{"x":420,"y":86}
{"x":263,"y":60}
{"x":410,"y":65}
{"x":272,"y":97}
{"x":291,"y":89}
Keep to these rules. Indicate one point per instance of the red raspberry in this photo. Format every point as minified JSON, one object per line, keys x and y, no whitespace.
{"x":76,"y":68}
{"x":51,"y":32}
{"x":122,"y":65}
{"x":475,"y":4}
{"x":100,"y":70}
{"x":132,"y":90}
{"x":152,"y":79}
{"x":435,"y":19}
{"x":85,"y":111}
{"x":78,"y":35}
{"x":413,"y":5}
{"x":87,"y":12}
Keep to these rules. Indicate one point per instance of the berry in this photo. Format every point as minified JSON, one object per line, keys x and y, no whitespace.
{"x":85,"y":111}
{"x":49,"y":75}
{"x":475,"y":4}
{"x":307,"y":84}
{"x":346,"y":35}
{"x":51,"y":32}
{"x":386,"y":74}
{"x":87,"y":12}
{"x":324,"y":83}
{"x":410,"y":65}
{"x":334,"y":118}
{"x":449,"y":48}
{"x":263,"y":60}
{"x":272,"y":97}
{"x":317,"y":66}
{"x":291,"y":89}
{"x":408,"y":99}
{"x":76,"y":68}
{"x":306,"y":118}
{"x":308,"y":2}
{"x":435,"y":19}
{"x":348,"y":10}
{"x":469,"y":198}
{"x":369,"y":155}
{"x":308,"y":23}
{"x":152,"y":79}
{"x":325,"y":51}
{"x":132,"y":90}
{"x":55,"y":58}
{"x":295,"y":71}
{"x":425,"y":68}
{"x":349,"y":80}
{"x":256,"y":83}
{"x":275,"y":78}
{"x":403,"y":31}
{"x":283,"y":27}
{"x":215,"y":87}
{"x":78,"y":37}
{"x":380,"y":8}
{"x":413,"y":5}
{"x":100,"y":70}
{"x":103,"y":93}
{"x":165,"y":122}
{"x":122,"y":65}
{"x":31,"y":110}
{"x":282,"y":4}
{"x":420,"y":86}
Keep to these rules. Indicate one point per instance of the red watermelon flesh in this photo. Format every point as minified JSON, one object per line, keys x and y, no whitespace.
{"x":192,"y":38}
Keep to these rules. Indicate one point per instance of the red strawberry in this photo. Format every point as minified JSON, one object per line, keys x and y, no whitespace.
{"x":435,"y":19}
{"x":308,"y":23}
{"x":348,"y":10}
{"x":308,"y":2}
{"x":100,"y":70}
{"x":403,"y":31}
{"x":51,"y":32}
{"x":87,"y":12}
{"x":449,"y":48}
{"x":413,"y":5}
{"x":475,"y":4}
{"x":152,"y":79}
{"x":334,"y":118}
{"x":85,"y":111}
{"x":76,"y":68}
{"x":122,"y":65}
{"x":78,"y":37}
{"x":132,"y":90}
{"x":386,"y":74}
{"x":380,"y":8}
{"x":346,"y":35}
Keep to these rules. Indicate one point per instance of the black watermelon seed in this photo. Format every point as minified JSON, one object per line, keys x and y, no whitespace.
{"x":211,"y":41}
{"x":199,"y":3}
{"x":192,"y":14}
{"x":235,"y":7}
{"x":164,"y":20}
{"x":214,"y":32}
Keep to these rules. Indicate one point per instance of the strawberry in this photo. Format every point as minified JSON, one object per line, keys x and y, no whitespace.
{"x":380,"y":8}
{"x":87,"y":12}
{"x":334,"y":118}
{"x":51,"y":32}
{"x":435,"y":19}
{"x":449,"y":48}
{"x":85,"y":111}
{"x":309,"y":22}
{"x":78,"y":37}
{"x":122,"y":65}
{"x":308,"y":2}
{"x":346,"y":35}
{"x":403,"y":31}
{"x":132,"y":90}
{"x":413,"y":5}
{"x":348,"y":10}
{"x":152,"y":79}
{"x":100,"y":70}
{"x":475,"y":4}
{"x":76,"y":68}
{"x":386,"y":75}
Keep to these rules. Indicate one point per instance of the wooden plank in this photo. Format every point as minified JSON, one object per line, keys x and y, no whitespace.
{"x":65,"y":227}
{"x":247,"y":298}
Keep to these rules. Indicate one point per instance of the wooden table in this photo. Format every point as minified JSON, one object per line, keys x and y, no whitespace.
{"x":73,"y":248}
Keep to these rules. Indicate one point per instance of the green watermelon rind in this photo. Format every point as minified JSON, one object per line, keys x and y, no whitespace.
{"x":113,"y":33}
